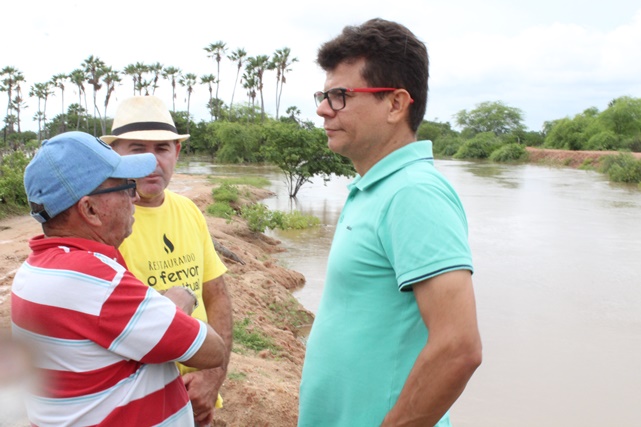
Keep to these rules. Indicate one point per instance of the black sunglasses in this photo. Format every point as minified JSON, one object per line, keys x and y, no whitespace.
{"x":130,"y":186}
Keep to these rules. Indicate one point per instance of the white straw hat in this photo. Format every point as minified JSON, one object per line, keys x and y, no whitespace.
{"x":144,"y":118}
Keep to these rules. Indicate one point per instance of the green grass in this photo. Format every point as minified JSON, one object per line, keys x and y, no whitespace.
{"x":221,"y":210}
{"x":288,"y":314}
{"x":249,"y":339}
{"x":237,"y":376}
{"x":254,"y":181}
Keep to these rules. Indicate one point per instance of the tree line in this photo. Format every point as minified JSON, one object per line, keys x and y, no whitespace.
{"x":244,"y":133}
{"x":103,"y":80}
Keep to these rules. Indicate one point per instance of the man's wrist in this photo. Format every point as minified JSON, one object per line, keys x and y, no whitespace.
{"x":193,"y":294}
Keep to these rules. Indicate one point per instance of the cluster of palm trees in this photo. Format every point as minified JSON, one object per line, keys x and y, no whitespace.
{"x":146,"y":78}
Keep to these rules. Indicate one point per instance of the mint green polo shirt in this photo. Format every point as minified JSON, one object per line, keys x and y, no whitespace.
{"x":402,"y":223}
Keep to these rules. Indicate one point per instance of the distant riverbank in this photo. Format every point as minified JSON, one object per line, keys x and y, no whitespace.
{"x":569,"y":158}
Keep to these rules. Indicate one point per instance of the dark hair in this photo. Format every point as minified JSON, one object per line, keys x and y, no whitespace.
{"x":394,"y":57}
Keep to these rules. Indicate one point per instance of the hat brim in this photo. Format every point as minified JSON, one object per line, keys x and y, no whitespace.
{"x":146,"y":135}
{"x":135,"y":166}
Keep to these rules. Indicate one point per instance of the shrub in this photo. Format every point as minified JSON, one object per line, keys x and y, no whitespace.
{"x":447,"y":146}
{"x":259,"y":218}
{"x":221,"y":210}
{"x":12,"y":190}
{"x":225,"y":193}
{"x":621,"y":168}
{"x":298,"y":221}
{"x":480,"y":147}
{"x":509,"y":153}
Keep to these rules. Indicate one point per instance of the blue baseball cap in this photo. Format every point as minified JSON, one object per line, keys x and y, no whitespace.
{"x":71,"y":165}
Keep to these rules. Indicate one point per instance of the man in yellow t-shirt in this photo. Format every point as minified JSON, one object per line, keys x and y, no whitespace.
{"x":170,"y":244}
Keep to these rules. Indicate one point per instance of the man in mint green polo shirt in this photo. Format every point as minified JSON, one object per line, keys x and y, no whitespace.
{"x":395,"y":338}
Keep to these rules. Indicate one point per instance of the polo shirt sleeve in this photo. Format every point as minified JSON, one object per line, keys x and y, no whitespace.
{"x":424,"y":232}
{"x":145,"y":326}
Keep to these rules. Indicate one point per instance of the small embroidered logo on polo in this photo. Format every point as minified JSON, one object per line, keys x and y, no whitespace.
{"x":349,"y":228}
{"x":169,"y":247}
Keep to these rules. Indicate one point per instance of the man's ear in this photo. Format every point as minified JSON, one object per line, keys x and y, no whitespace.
{"x":178,"y":148}
{"x":400,"y":105}
{"x":88,"y":210}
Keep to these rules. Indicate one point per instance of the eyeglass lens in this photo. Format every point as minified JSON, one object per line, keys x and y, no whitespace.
{"x":335,"y":97}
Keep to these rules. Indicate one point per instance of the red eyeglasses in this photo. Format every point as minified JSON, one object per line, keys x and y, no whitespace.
{"x":336,"y":96}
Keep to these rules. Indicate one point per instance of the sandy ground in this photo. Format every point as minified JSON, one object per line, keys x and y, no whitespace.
{"x":262,"y":388}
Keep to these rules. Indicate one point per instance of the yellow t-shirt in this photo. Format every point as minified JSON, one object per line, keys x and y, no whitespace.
{"x":171,"y":246}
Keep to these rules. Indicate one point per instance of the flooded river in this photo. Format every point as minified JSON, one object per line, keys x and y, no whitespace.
{"x":557,"y":254}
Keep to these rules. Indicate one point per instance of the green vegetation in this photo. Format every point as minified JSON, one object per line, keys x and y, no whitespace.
{"x":226,"y":192}
{"x":13,"y":199}
{"x":240,"y":131}
{"x":509,"y":153}
{"x":258,"y":216}
{"x":253,"y":181}
{"x":221,"y":210}
{"x":246,"y":337}
{"x":237,"y":376}
{"x":622,"y":168}
{"x":287,"y":314}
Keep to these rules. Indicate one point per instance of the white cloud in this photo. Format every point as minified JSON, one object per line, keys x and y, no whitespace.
{"x":550,"y":58}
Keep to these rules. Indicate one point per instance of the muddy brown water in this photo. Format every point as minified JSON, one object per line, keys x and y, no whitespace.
{"x":557,"y":253}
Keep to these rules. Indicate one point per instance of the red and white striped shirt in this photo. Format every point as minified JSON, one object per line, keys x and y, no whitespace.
{"x":104,"y":343}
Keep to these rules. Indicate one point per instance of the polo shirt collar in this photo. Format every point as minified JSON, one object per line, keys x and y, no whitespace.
{"x":40,"y":243}
{"x":393,"y":162}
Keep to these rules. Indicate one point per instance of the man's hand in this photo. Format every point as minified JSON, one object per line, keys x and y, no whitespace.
{"x":202,"y":387}
{"x":182,"y":297}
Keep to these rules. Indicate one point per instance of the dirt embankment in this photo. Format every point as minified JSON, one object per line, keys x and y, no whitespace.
{"x":262,"y":387}
{"x":569,"y":158}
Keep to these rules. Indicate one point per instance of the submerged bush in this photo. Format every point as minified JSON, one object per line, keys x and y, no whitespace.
{"x":513,"y":152}
{"x":259,"y":218}
{"x":622,"y":167}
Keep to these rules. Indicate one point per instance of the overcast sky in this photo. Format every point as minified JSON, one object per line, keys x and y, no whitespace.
{"x":549,"y":58}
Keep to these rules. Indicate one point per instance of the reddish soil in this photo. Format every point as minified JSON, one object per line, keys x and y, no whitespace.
{"x":569,"y":158}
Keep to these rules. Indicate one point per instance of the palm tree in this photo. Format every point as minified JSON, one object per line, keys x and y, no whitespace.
{"x":250,"y":83}
{"x":259,"y":64}
{"x":110,"y":79}
{"x":42,"y":91}
{"x":237,"y":56}
{"x":172,"y":74}
{"x":78,"y":78}
{"x":136,"y":72}
{"x":95,"y":69}
{"x":17,"y":103}
{"x":59,"y":81}
{"x":10,"y":77}
{"x":189,"y":80}
{"x":156,"y":70}
{"x":130,"y":70}
{"x":216,"y":51}
{"x":281,"y":63}
{"x":208,"y":79}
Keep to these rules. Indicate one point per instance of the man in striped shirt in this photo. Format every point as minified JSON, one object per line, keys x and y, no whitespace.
{"x":103,"y":342}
